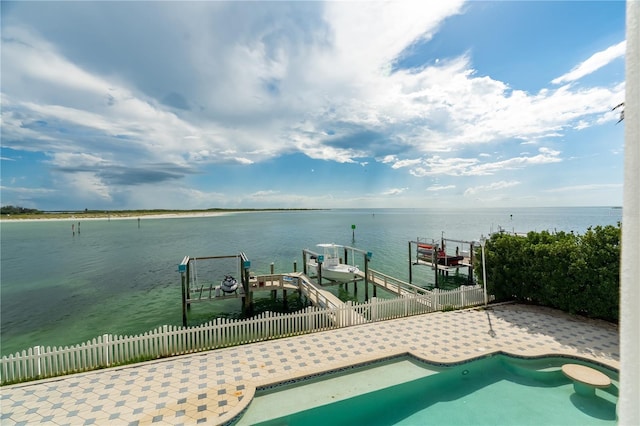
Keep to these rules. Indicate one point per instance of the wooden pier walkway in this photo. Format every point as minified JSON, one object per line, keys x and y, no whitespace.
{"x":323,"y":298}
{"x":394,"y":285}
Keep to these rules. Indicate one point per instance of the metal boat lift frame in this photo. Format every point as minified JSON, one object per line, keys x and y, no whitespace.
{"x":184,"y":268}
{"x":438,"y":268}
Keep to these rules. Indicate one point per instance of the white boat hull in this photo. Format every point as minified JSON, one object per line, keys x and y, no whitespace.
{"x":339,"y":272}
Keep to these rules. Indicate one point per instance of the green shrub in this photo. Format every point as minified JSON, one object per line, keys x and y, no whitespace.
{"x":577,"y":274}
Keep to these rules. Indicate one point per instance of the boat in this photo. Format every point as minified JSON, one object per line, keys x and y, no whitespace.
{"x":447,"y":260}
{"x":426,"y":252}
{"x":332,"y":268}
{"x":425,"y":249}
{"x":229,"y":284}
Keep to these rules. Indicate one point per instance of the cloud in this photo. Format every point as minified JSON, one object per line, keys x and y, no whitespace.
{"x":24,"y":190}
{"x":405,"y":163}
{"x":593,"y":63}
{"x":436,"y":165}
{"x":473,"y":191}
{"x":200,"y":88}
{"x":433,"y":109}
{"x":263,"y":194}
{"x":440,"y":187}
{"x":586,"y":187}
{"x":395,"y":191}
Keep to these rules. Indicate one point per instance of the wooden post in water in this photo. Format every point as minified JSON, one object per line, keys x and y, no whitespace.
{"x":274,"y":293}
{"x":184,"y":299}
{"x":366,"y":277}
{"x":304,"y":262}
{"x":366,"y":290}
{"x":435,"y":262}
{"x":248,"y":294}
{"x":410,"y":265}
{"x":188,"y":281}
{"x":183,"y":268}
{"x":471,"y":250}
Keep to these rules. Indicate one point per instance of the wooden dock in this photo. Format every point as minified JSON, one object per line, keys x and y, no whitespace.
{"x":399,"y":287}
{"x":195,"y":291}
{"x":323,"y":298}
{"x":256,"y":284}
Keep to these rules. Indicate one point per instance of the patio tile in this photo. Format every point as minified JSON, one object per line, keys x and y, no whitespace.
{"x":211,"y":387}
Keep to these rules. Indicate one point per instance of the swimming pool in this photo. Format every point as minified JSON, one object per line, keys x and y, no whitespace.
{"x":496,"y":390}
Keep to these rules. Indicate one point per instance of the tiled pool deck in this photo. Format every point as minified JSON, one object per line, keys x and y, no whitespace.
{"x":213,"y":387}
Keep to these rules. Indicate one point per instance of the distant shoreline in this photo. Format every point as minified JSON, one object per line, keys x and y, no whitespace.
{"x":123,"y":215}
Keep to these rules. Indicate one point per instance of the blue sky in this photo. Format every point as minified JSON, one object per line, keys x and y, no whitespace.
{"x":192,"y":105}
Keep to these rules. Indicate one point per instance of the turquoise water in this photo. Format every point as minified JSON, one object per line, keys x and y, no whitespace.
{"x":117,"y":278}
{"x":493,"y":391}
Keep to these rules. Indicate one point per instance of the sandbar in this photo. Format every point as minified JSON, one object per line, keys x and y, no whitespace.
{"x":121,"y":216}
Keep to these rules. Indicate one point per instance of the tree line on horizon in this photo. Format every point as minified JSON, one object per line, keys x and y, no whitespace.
{"x":18,"y":210}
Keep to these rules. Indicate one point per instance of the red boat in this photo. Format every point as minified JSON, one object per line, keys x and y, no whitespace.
{"x":425,"y":249}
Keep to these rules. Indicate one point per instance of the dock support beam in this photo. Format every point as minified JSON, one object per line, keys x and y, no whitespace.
{"x":247,"y":305}
{"x":184,"y":300}
{"x":410,"y":265}
{"x":183,"y":269}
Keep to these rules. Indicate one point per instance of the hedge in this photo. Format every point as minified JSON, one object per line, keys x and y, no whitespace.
{"x":579,"y":274}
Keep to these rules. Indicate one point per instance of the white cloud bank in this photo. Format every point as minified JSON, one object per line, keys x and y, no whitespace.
{"x":594,"y":63}
{"x":201,"y":88}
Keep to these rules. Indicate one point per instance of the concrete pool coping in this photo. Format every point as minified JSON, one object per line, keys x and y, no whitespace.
{"x":214,"y":387}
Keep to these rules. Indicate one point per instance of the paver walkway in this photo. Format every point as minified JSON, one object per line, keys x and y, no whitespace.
{"x":213,"y":387}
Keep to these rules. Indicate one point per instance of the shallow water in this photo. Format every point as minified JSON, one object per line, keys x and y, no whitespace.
{"x":117,"y":278}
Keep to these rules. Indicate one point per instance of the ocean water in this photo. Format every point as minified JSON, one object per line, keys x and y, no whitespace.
{"x":120,"y":277}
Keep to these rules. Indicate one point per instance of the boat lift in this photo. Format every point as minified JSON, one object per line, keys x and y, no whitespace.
{"x":433,"y":253}
{"x":347,"y":249}
{"x":188,"y":277}
{"x":306,"y":254}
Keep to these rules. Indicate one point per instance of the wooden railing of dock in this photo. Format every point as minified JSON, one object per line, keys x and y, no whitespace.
{"x":394,"y":285}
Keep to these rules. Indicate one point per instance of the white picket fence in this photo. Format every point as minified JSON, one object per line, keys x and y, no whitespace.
{"x":109,"y":350}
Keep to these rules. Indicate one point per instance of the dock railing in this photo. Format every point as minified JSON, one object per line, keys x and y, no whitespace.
{"x":395,"y":285}
{"x":112,"y":350}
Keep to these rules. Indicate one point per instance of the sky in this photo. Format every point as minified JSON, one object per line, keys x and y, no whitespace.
{"x":213,"y":104}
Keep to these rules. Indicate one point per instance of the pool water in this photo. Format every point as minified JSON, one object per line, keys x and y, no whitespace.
{"x":497,"y":390}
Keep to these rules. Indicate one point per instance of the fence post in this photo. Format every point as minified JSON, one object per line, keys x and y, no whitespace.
{"x":374,"y":309}
{"x":105,"y":350}
{"x":38,"y":361}
{"x":268,"y":320}
{"x":436,"y":299}
{"x":165,"y":341}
